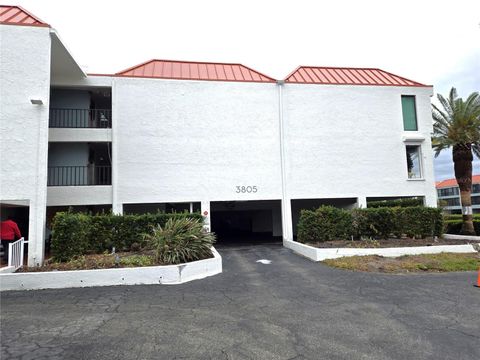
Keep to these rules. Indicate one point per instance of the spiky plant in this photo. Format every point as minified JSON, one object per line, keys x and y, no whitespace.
{"x":457,"y":125}
{"x":180,"y":240}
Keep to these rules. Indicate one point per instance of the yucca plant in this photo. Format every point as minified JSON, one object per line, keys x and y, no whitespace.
{"x":180,"y":240}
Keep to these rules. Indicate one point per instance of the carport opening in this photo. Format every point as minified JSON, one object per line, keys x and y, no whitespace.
{"x":18,"y":211}
{"x":246,"y":222}
{"x":311,"y":204}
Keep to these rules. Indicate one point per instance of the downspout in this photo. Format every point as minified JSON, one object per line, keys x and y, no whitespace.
{"x":286,"y":217}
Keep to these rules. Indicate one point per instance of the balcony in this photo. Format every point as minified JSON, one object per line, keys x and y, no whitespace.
{"x":79,"y":175}
{"x":80,"y":118}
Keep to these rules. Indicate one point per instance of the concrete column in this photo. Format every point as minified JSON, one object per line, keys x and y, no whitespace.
{"x":431,"y":199}
{"x":117,"y":208}
{"x":205,"y":206}
{"x":362,"y":202}
{"x":36,"y":233}
{"x":287,"y":225}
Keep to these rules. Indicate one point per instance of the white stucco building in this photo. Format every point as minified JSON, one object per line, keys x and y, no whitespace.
{"x":246,"y":150}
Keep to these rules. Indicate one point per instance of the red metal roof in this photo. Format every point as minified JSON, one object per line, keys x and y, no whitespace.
{"x":453,"y":182}
{"x":192,"y":70}
{"x":347,"y":76}
{"x":16,"y":15}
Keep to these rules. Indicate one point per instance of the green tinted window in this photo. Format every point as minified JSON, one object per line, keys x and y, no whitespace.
{"x":409,"y":113}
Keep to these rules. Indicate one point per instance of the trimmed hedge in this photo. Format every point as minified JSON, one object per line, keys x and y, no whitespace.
{"x":75,"y":234}
{"x":454,"y":226}
{"x":323,"y":224}
{"x":396,"y":203}
{"x":329,"y":223}
{"x":459,"y":217}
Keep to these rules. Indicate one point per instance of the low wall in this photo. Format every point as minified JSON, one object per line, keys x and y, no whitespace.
{"x":461,"y":237}
{"x":319,"y":254}
{"x":169,"y":275}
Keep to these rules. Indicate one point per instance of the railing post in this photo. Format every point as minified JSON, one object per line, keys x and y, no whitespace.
{"x":22,"y":251}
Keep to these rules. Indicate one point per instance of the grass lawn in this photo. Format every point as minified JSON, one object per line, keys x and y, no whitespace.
{"x":443,"y":262}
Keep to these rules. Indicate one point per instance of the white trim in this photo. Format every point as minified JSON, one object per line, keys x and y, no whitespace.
{"x":320,"y":254}
{"x":168,"y":275}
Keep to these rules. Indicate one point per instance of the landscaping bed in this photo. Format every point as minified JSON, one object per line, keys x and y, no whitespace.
{"x":386,"y":243}
{"x":103,"y":261}
{"x":443,"y":262}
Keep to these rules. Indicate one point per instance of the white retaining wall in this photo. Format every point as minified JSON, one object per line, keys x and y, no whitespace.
{"x":167,"y":275}
{"x":319,"y":254}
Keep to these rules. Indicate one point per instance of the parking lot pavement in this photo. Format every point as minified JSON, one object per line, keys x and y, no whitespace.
{"x":290,"y":308}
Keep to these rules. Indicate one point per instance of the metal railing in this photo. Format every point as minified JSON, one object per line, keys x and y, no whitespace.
{"x":79,"y":175}
{"x":80,"y":118}
{"x":15,"y":253}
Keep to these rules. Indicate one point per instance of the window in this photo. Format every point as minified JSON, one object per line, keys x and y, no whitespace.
{"x":452,"y":191}
{"x":409,"y":113}
{"x":413,"y":162}
{"x":453,"y":202}
{"x":476,"y":188}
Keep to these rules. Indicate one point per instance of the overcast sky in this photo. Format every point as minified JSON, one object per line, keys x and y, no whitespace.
{"x":435,"y":42}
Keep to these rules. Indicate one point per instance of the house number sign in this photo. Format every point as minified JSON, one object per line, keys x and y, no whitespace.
{"x":246,"y":189}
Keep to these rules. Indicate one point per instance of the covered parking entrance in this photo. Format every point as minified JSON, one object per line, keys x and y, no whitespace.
{"x":246,"y":222}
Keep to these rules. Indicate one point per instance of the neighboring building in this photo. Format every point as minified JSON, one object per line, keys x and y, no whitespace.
{"x":247,"y":150}
{"x":449,"y":195}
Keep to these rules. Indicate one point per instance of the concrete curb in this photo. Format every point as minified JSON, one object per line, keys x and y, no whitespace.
{"x":461,"y":237}
{"x":318,"y":254}
{"x":168,"y":275}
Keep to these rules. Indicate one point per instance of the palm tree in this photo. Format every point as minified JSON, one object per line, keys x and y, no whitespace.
{"x":457,"y":125}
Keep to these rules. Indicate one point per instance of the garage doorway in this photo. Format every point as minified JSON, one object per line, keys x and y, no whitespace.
{"x":246,"y":222}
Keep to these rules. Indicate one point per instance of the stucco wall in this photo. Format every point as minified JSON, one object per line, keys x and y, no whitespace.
{"x":348,"y":141}
{"x":79,"y":135}
{"x":25,"y":75}
{"x":79,"y":195}
{"x":194,"y":140}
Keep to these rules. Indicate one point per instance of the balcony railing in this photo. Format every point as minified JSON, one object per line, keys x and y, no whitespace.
{"x":79,"y":175}
{"x":80,"y":118}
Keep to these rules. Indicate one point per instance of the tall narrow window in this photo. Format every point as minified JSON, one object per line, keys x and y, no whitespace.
{"x":413,"y":162}
{"x":409,"y":113}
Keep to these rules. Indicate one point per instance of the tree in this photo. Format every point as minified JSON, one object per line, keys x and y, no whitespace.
{"x":457,"y":125}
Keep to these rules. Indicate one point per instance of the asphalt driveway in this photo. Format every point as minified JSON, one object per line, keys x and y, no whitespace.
{"x":289,"y":309}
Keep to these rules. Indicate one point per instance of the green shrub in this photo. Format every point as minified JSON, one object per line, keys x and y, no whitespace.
{"x":410,"y":202}
{"x":454,"y":226}
{"x":374,"y":223}
{"x":70,"y":237}
{"x":180,"y":240}
{"x":419,"y":221}
{"x":328,"y":223}
{"x":323,"y":224}
{"x":75,"y":234}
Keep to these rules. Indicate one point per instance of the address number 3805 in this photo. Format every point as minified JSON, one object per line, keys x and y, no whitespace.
{"x":246,"y":189}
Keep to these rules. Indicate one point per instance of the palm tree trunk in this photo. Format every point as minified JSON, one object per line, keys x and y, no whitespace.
{"x":462,"y":159}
